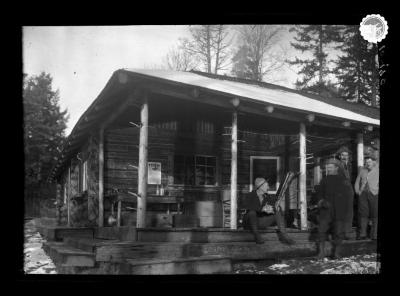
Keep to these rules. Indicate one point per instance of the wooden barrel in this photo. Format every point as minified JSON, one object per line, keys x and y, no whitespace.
{"x":209,"y":213}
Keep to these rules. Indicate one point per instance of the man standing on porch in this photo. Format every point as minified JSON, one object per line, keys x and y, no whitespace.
{"x":344,"y":169}
{"x":367,"y":189}
{"x":261,"y":215}
{"x":334,"y":207}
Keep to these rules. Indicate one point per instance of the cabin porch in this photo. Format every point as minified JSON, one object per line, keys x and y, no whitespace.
{"x":127,"y":250}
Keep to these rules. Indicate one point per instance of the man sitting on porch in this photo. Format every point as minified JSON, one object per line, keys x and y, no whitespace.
{"x":260,"y":214}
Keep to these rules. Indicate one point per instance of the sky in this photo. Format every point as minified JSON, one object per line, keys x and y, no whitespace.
{"x":82,"y":59}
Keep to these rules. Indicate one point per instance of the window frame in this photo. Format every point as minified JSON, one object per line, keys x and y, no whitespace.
{"x":278,"y":168}
{"x":195,"y":167}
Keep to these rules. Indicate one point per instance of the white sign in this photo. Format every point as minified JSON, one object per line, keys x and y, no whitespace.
{"x":154,"y":173}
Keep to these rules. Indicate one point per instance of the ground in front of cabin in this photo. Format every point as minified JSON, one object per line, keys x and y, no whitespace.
{"x":358,"y":264}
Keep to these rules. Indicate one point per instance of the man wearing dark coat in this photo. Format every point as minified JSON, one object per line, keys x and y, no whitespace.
{"x":335,"y":208}
{"x":345,"y":170}
{"x":261,"y":215}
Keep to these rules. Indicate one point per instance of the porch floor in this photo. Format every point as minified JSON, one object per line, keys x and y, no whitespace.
{"x":127,"y":250}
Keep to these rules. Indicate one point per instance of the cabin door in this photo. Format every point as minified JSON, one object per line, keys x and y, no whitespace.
{"x":266,"y":167}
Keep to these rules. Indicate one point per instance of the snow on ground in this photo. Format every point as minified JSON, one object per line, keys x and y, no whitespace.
{"x":35,"y":260}
{"x":358,"y":264}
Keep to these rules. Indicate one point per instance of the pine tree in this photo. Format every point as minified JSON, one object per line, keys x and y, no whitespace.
{"x":317,"y":40}
{"x":242,"y":64}
{"x":44,"y":127}
{"x":255,"y":57}
{"x":356,"y":69}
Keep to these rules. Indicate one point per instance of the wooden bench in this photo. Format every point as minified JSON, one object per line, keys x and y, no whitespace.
{"x":132,"y":197}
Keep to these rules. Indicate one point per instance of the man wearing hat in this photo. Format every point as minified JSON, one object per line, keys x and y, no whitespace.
{"x":343,"y":155}
{"x":367,"y":189}
{"x":335,"y":207}
{"x":260,"y":214}
{"x":345,"y":170}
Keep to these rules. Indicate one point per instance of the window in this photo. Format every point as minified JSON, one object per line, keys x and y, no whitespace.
{"x":266,"y":167}
{"x":195,"y":170}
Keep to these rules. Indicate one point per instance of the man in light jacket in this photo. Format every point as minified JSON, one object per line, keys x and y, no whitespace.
{"x":367,"y":189}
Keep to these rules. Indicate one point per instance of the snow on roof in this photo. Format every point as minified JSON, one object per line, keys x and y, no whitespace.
{"x":276,"y":97}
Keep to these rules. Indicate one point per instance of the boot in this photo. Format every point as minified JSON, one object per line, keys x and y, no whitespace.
{"x":282,"y":235}
{"x":374,"y":229}
{"x":321,"y":250}
{"x":362,"y":233}
{"x":337,"y":246}
{"x":284,"y":238}
{"x":252,"y":221}
{"x":257,"y":238}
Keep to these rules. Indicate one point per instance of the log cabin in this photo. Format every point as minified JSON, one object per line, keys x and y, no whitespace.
{"x":161,"y":148}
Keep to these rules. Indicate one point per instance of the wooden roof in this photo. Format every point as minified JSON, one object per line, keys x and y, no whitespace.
{"x":359,"y":108}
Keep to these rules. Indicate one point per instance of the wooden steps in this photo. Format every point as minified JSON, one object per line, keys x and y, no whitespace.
{"x":53,"y":233}
{"x":125,"y":233}
{"x":113,"y":250}
{"x":66,"y":255}
{"x":195,"y":235}
{"x":210,"y":235}
{"x":118,"y":252}
{"x":87,"y":244}
{"x":188,"y":265}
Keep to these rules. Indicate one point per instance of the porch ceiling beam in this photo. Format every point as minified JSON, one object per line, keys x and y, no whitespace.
{"x":247,"y":105}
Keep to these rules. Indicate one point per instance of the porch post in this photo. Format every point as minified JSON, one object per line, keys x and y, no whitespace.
{"x":101,"y":177}
{"x":378,"y":146}
{"x":302,"y":177}
{"x":69,"y":195}
{"x":360,"y":151}
{"x":142,"y":174}
{"x":234,"y":172}
{"x":317,"y":170}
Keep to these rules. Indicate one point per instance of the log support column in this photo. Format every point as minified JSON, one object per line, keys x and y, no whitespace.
{"x":101,"y":177}
{"x":142,"y":174}
{"x":302,"y":178}
{"x":317,"y":170}
{"x":233,"y":217}
{"x":69,"y":196}
{"x":360,"y":151}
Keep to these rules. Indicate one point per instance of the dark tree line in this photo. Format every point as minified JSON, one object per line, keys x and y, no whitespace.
{"x":355,"y":68}
{"x":44,"y":127}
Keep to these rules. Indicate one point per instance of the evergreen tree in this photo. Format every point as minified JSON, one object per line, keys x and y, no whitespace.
{"x":44,"y":127}
{"x":317,"y":40}
{"x":242,"y":64}
{"x":255,"y":56}
{"x":357,"y":69}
